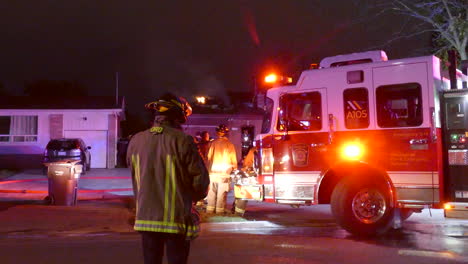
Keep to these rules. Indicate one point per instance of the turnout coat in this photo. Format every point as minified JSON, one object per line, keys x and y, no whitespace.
{"x":221,"y":159}
{"x":168,"y":176}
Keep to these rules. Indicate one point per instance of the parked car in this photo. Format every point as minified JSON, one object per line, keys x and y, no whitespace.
{"x":68,"y":149}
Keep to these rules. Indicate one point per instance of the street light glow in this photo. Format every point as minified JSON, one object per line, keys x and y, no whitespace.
{"x":201,"y":99}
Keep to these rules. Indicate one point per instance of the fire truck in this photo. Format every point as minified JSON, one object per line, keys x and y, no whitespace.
{"x":377,"y":139}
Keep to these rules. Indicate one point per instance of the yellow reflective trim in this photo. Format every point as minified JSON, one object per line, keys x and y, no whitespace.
{"x":173,"y":181}
{"x":138,"y":172}
{"x":156,"y":129}
{"x":177,"y":103}
{"x":162,"y":223}
{"x":136,"y":167}
{"x":240,"y":210}
{"x":154,"y":229}
{"x":166,"y":186}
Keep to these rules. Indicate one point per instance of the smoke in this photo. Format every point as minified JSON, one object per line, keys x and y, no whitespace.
{"x":205,"y":82}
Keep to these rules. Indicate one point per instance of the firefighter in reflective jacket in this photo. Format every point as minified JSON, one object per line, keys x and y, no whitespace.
{"x":221,"y":160}
{"x":240,"y":205}
{"x":168,"y":176}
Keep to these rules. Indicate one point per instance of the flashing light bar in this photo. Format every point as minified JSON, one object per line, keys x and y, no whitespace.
{"x":273,"y":78}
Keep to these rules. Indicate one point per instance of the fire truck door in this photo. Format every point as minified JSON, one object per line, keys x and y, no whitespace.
{"x":456,"y":145}
{"x":403,"y":138}
{"x":298,"y":148}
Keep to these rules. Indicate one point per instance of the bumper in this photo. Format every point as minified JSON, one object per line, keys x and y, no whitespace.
{"x":457,"y":210}
{"x":248,"y":192}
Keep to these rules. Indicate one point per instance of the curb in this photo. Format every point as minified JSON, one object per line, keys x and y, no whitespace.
{"x":79,"y":191}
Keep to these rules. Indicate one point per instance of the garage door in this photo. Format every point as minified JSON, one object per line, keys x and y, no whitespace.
{"x":98,"y":142}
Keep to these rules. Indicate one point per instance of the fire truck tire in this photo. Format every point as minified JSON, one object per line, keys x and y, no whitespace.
{"x":362,"y":207}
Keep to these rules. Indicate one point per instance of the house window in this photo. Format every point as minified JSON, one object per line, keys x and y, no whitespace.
{"x":18,"y":128}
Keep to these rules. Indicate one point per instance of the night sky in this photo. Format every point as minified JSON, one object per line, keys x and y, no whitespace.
{"x":188,"y":47}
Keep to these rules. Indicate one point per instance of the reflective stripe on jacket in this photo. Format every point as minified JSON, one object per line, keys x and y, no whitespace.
{"x":168,"y":175}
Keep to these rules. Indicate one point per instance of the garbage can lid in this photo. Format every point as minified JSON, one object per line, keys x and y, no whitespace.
{"x":67,"y":163}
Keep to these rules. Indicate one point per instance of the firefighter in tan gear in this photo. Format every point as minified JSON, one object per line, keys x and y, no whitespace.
{"x":221,"y":160}
{"x":168,"y":176}
{"x":240,"y":205}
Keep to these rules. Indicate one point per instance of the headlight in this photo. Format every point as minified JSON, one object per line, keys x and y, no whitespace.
{"x":267,"y":160}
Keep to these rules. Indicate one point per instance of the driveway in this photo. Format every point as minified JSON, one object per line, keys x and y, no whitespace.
{"x":95,"y":184}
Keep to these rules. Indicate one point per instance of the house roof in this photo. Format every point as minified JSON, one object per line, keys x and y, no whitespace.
{"x":57,"y":102}
{"x":216,"y":119}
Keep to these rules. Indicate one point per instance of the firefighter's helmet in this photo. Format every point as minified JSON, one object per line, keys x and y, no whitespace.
{"x":222,"y":129}
{"x":171,"y":105}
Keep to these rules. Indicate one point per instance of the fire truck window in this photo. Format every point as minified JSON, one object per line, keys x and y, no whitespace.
{"x":399,"y":105}
{"x":355,"y":76}
{"x":356,"y":108}
{"x":267,"y":112}
{"x":300,"y":112}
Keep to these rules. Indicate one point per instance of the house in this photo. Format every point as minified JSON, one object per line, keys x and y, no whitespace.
{"x":28,"y":123}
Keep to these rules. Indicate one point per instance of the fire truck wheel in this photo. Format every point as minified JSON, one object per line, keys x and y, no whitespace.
{"x":362,"y":207}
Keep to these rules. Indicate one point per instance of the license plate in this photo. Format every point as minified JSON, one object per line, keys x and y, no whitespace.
{"x":62,"y":153}
{"x":248,"y":192}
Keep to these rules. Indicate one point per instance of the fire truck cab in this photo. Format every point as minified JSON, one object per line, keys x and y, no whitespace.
{"x":378,"y":139}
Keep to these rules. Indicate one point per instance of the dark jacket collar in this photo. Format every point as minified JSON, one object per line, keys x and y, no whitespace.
{"x":162,"y":120}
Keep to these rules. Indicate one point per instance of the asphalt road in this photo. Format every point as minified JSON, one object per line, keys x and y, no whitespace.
{"x":279,"y":234}
{"x":95,"y":232}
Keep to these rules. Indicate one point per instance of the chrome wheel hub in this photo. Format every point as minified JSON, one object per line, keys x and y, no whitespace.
{"x":369,"y":206}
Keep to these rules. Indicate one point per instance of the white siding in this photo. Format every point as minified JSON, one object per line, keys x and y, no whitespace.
{"x":95,"y":120}
{"x":85,"y":120}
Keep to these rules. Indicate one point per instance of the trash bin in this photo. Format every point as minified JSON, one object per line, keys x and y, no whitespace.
{"x":63,"y":179}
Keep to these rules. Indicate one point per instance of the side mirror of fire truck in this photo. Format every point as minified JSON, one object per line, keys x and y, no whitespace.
{"x":285,"y":135}
{"x":284,"y":124}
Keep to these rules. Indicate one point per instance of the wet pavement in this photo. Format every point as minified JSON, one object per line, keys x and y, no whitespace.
{"x":103,"y":210}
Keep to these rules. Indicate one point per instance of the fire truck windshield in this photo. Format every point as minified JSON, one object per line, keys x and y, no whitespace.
{"x":267,"y":114}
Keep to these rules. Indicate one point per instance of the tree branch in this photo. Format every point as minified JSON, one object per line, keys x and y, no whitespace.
{"x":448,"y":33}
{"x":390,"y":41}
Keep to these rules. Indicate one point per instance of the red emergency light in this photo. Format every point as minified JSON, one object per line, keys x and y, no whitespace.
{"x":274,"y":78}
